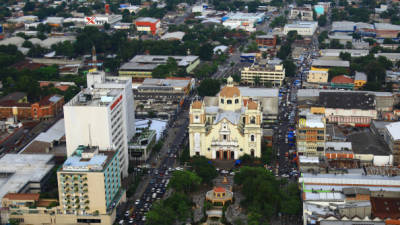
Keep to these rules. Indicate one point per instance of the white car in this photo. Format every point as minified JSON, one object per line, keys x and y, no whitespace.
{"x":137,"y":201}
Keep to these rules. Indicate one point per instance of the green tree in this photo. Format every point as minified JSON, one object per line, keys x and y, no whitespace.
{"x":204,"y":169}
{"x":208,"y":87}
{"x":206,"y":52}
{"x":335,"y":71}
{"x":335,"y":44}
{"x":345,"y":56}
{"x":184,"y":181}
{"x":322,"y":20}
{"x":290,"y":68}
{"x":279,"y":21}
{"x":349,"y":45}
{"x":284,"y":51}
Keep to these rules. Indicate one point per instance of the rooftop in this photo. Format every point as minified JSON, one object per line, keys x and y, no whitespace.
{"x":316,"y":92}
{"x":350,"y":100}
{"x":88,"y":158}
{"x":342,"y":79}
{"x":386,"y":26}
{"x":302,"y":24}
{"x":178,"y":35}
{"x":19,"y":169}
{"x":394,"y":130}
{"x":147,"y":19}
{"x":259,"y":92}
{"x":22,"y":196}
{"x":150,"y":62}
{"x":97,"y":97}
{"x":330,"y":63}
{"x":364,"y":142}
{"x":360,"y":76}
{"x":311,"y":121}
{"x":152,"y":82}
{"x":386,"y":207}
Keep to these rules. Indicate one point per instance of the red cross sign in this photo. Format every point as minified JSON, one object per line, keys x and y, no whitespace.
{"x":90,"y":20}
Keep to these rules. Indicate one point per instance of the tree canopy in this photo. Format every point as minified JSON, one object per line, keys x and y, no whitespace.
{"x":184,"y":181}
{"x":209,"y":87}
{"x":204,"y":169}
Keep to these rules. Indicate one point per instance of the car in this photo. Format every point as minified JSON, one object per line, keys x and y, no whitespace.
{"x":224,"y":172}
{"x":144,"y":218}
{"x":121,"y":222}
{"x":131,"y":221}
{"x":137,"y":202}
{"x":127,"y":213}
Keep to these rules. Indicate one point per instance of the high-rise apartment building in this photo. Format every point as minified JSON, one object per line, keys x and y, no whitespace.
{"x":102,"y":115}
{"x":89,"y":181}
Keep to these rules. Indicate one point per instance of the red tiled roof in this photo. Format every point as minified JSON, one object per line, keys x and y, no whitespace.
{"x":11,"y":103}
{"x":27,"y":65}
{"x":342,"y":79}
{"x":22,"y":196}
{"x":386,"y":207}
{"x":219,"y":189}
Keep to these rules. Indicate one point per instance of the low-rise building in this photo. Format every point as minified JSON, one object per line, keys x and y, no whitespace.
{"x":360,"y":79}
{"x":356,"y":109}
{"x":317,"y":76}
{"x":324,"y":65}
{"x":386,"y":30}
{"x":244,"y":21}
{"x":148,"y":25}
{"x":310,"y":135}
{"x":164,"y":97}
{"x":50,"y":106}
{"x":336,"y":52}
{"x":342,"y":82}
{"x":141,"y":66}
{"x":303,"y":28}
{"x":265,"y":42}
{"x":263,"y":73}
{"x":394,"y":57}
{"x":391,"y":136}
{"x":25,"y":173}
{"x":101,"y":19}
{"x":140,"y":146}
{"x":302,"y":13}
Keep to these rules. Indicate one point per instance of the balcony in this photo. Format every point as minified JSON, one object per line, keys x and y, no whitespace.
{"x":233,"y":143}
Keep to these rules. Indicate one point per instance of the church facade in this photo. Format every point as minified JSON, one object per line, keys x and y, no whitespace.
{"x":225,"y":127}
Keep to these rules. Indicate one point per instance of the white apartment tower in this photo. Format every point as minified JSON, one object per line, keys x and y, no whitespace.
{"x":102,"y":115}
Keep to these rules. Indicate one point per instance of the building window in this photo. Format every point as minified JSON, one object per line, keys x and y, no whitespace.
{"x":244,"y":120}
{"x":236,"y":101}
{"x":252,"y":120}
{"x":252,"y":138}
{"x":197,"y":153}
{"x":252,"y":153}
{"x":209,"y":149}
{"x":222,"y":101}
{"x":241,"y":149}
{"x":229,"y":102}
{"x":224,"y":136}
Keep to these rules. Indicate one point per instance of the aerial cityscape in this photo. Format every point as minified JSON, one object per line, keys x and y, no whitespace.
{"x":200,"y":112}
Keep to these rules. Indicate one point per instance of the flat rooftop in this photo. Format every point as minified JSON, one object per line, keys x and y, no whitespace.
{"x":175,"y":83}
{"x":259,"y":92}
{"x":98,"y":97}
{"x":394,"y":130}
{"x":150,"y":62}
{"x":20,"y":169}
{"x":331,"y":63}
{"x":316,"y":92}
{"x":347,"y":100}
{"x":88,"y":159}
{"x":365,"y":142}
